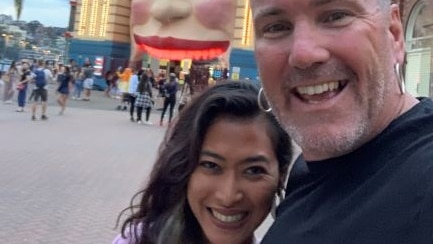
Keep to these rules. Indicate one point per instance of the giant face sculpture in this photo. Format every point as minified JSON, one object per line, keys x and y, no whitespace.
{"x":180,"y":29}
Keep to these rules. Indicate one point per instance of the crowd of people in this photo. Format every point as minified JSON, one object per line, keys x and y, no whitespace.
{"x":138,"y":90}
{"x":30,"y":80}
{"x":135,"y":88}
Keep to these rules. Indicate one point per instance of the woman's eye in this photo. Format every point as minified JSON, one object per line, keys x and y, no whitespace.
{"x":255,"y":170}
{"x":209,"y":165}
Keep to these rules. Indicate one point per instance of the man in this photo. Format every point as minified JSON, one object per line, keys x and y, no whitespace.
{"x":42,"y":77}
{"x":332,"y":74}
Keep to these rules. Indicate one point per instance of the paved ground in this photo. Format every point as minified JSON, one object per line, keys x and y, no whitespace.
{"x":66,"y":179}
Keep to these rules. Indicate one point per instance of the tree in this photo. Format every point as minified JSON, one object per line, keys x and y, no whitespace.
{"x":18,"y":8}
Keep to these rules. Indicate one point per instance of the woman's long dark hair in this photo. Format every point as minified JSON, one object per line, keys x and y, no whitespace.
{"x":163,"y":214}
{"x":144,"y":85}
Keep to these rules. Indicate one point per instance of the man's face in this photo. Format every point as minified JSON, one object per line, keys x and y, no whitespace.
{"x":327,"y":69}
{"x":193,"y":27}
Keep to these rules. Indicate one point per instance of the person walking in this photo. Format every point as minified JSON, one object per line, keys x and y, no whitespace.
{"x":88,"y":71}
{"x":10,"y":78}
{"x":170,"y":91}
{"x":41,"y":81}
{"x":132,"y":93}
{"x":78,"y":83}
{"x":21,"y":86}
{"x":64,"y":86}
{"x":144,"y":98}
{"x":187,"y":93}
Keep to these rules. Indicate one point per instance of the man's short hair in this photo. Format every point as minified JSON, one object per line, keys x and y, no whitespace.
{"x":40,"y":62}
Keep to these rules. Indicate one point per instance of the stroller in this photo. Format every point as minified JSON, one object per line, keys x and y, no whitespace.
{"x":124,"y":102}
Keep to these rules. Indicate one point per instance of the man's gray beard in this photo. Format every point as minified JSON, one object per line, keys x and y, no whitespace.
{"x":353,"y":135}
{"x":328,"y":145}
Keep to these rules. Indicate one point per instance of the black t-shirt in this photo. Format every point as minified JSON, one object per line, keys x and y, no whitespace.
{"x":381,"y":193}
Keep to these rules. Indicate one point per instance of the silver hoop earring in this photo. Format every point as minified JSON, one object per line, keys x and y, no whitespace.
{"x":259,"y":102}
{"x":400,"y":78}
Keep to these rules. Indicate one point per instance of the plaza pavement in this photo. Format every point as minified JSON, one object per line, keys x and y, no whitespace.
{"x":65,"y":180}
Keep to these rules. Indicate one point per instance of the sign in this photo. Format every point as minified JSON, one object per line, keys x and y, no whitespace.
{"x":99,"y":65}
{"x":236,"y":73}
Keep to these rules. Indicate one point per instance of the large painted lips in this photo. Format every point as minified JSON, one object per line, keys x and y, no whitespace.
{"x":177,"y":49}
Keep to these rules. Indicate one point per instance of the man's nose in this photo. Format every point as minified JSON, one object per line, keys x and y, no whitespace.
{"x":229,"y":191}
{"x":307,"y":48}
{"x":166,"y":11}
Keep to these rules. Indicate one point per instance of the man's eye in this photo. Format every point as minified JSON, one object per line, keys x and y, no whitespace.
{"x":255,"y":170}
{"x":334,"y":17}
{"x":276,"y":30}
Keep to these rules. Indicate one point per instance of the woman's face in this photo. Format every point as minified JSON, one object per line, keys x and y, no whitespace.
{"x":231,"y":190}
{"x":192,"y":27}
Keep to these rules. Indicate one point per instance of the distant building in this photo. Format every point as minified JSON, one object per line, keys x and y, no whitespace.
{"x":100,"y":29}
{"x":6,"y":19}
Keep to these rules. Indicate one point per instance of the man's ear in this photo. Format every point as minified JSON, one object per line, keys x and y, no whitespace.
{"x":397,"y":33}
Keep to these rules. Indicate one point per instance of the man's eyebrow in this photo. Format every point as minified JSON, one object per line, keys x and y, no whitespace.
{"x":317,"y":3}
{"x":266,"y":12}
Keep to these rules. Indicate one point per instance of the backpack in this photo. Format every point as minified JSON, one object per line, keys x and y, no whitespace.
{"x":40,"y":78}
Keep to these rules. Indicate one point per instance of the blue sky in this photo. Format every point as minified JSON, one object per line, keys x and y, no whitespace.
{"x":48,"y":12}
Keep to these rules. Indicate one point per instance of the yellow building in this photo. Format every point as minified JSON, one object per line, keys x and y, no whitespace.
{"x":101,"y":28}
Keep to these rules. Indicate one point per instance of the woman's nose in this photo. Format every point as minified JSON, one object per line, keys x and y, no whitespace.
{"x":229,"y":192}
{"x":166,"y":11}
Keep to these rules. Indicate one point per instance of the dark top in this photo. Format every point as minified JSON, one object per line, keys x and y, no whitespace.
{"x":64,"y":80}
{"x":381,"y":193}
{"x":171,"y":89}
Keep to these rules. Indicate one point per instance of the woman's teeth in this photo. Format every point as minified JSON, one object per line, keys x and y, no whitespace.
{"x":227,"y":218}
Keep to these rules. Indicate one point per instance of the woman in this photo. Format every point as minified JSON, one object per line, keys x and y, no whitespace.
{"x":78,"y":84}
{"x":26,"y":77}
{"x":218,"y":171}
{"x":170,"y":91}
{"x":144,"y":98}
{"x":187,"y":93}
{"x":11,"y":76}
{"x":64,"y":81}
{"x":88,"y":71}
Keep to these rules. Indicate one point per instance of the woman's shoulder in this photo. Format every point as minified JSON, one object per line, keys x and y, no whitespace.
{"x":129,"y":235}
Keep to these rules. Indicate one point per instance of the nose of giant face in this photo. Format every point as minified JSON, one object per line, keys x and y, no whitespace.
{"x":166,"y":11}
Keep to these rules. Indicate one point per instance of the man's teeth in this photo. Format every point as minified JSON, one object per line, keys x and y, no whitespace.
{"x":318,"y":89}
{"x":227,"y":218}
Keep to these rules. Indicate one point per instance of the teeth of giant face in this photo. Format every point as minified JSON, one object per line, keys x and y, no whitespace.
{"x":318,"y":89}
{"x":227,"y":218}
